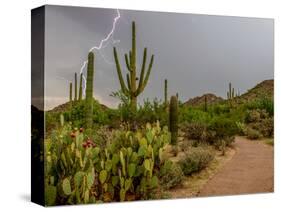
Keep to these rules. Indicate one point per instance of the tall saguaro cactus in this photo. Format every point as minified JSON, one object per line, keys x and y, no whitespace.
{"x":230,"y":92}
{"x":70,"y":92}
{"x":89,"y":91}
{"x":173,"y":119}
{"x":166,"y":92}
{"x":75,"y":87}
{"x":132,"y":90}
{"x":80,"y":87}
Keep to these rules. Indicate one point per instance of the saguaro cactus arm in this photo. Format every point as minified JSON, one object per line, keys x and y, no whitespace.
{"x":128,"y":63}
{"x":143,"y":67}
{"x":119,"y":72}
{"x":143,"y":83}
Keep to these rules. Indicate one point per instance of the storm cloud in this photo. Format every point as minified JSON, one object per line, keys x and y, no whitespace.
{"x":197,"y":53}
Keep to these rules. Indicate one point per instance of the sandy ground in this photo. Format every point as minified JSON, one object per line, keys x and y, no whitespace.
{"x":251,"y":170}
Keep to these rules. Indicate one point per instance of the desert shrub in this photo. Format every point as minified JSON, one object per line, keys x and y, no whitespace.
{"x":262,"y":103}
{"x":124,"y":108}
{"x":51,"y":120}
{"x":77,"y":115}
{"x":253,"y":134}
{"x":196,"y":159}
{"x":268,"y":105}
{"x":267,"y":127}
{"x":219,"y":109}
{"x":221,"y":132}
{"x":242,"y":129}
{"x":221,"y":144}
{"x":223,"y":127}
{"x":191,"y":115}
{"x":170,"y":174}
{"x":195,"y":131}
{"x":152,"y":112}
{"x":252,"y":116}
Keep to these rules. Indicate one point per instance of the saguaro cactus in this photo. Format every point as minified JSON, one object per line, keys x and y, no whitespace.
{"x":205,"y":104}
{"x":166,"y":92}
{"x":132,"y":90}
{"x":75,"y":87}
{"x":89,"y":91}
{"x":80,"y":87}
{"x":173,"y":119}
{"x":70,"y":92}
{"x":230,"y":92}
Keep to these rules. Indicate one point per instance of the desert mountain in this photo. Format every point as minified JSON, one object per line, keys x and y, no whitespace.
{"x":200,"y":100}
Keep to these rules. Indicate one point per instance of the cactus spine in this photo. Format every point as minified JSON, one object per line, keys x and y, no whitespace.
{"x":166,"y":92}
{"x":132,"y":90}
{"x":75,"y":87}
{"x":70,"y":92}
{"x":80,"y":87}
{"x":173,"y":119}
{"x":89,"y":91}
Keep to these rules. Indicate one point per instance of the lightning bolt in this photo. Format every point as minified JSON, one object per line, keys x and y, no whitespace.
{"x":99,"y":47}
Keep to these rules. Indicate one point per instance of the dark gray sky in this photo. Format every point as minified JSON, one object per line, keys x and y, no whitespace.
{"x":196,"y":53}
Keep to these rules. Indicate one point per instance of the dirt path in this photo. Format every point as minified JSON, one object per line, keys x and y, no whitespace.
{"x":249,"y":171}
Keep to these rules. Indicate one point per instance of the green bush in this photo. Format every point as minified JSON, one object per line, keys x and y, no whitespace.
{"x":268,"y":105}
{"x":77,"y":114}
{"x":253,"y":134}
{"x":223,"y":127}
{"x":242,"y":129}
{"x":195,"y":131}
{"x":262,"y":103}
{"x":171,"y":175}
{"x":219,"y":109}
{"x":267,"y":129}
{"x":191,"y":115}
{"x":196,"y":159}
{"x":252,"y":116}
{"x":152,"y":112}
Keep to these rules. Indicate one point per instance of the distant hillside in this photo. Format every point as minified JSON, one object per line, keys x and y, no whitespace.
{"x":65,"y":106}
{"x":200,"y":100}
{"x":263,"y":89}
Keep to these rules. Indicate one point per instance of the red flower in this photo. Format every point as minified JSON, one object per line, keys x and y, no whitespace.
{"x":81,"y":130}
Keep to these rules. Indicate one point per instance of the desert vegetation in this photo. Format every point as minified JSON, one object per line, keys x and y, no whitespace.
{"x":94,"y":153}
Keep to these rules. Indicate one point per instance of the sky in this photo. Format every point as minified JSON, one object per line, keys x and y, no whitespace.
{"x":197,"y":53}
